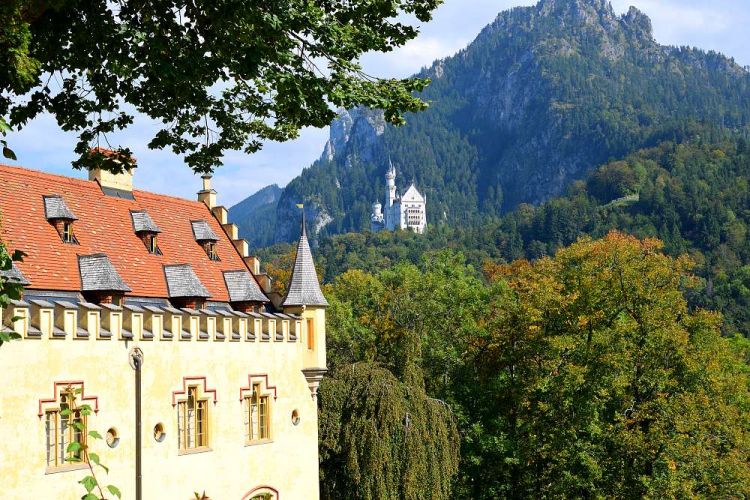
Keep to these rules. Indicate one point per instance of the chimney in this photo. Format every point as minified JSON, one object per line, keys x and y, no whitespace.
{"x":207,"y":195}
{"x":122,"y":182}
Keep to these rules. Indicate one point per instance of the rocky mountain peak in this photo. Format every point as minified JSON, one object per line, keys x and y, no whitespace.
{"x":363,"y":122}
{"x":638,"y":22}
{"x":588,"y":11}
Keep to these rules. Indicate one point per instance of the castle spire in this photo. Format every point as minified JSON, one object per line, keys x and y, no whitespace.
{"x":304,"y":289}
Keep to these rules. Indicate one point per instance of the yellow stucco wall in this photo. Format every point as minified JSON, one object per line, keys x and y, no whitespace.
{"x":289,"y":463}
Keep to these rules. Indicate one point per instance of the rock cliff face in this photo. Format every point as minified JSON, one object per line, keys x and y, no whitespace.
{"x":540,"y":97}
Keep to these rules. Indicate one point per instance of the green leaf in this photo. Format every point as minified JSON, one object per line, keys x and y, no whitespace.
{"x":90,"y":496}
{"x":74,"y":447}
{"x":66,"y":412}
{"x":77,"y":426}
{"x":88,"y":482}
{"x":8,"y":153}
{"x":95,"y":459}
{"x":95,"y":435}
{"x":114,"y":490}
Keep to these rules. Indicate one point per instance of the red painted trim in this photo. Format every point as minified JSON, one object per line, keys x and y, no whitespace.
{"x":206,"y":390}
{"x":258,"y":489}
{"x":250,"y":384}
{"x":68,"y":383}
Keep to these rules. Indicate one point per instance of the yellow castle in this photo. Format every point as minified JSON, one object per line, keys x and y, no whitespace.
{"x":150,"y":310}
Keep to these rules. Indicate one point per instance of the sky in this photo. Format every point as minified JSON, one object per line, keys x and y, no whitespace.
{"x":719,"y":25}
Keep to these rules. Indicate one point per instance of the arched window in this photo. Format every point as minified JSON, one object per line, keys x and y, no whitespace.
{"x":257,"y":414}
{"x":257,"y":400}
{"x":192,"y":420}
{"x":65,"y":423}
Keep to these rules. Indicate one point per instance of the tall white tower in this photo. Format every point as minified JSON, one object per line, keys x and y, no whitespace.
{"x":390,"y":182}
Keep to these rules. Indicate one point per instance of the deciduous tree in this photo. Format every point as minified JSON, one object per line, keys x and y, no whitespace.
{"x":218,"y":74}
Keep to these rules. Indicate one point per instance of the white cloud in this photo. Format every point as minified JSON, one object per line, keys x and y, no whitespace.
{"x":413,"y":56}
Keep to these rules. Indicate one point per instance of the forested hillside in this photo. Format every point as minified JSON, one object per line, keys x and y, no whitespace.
{"x":256,"y":214}
{"x":568,"y":358}
{"x":543,"y":95}
{"x":695,"y":197}
{"x":585,"y":375}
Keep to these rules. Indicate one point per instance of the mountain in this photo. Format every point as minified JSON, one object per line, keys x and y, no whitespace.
{"x":540,"y":97}
{"x":256,"y":214}
{"x":693,"y":196}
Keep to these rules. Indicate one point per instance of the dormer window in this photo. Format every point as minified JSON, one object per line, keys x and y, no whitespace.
{"x":67,"y":234}
{"x":61,"y":217}
{"x":146,"y":230}
{"x":210,"y":248}
{"x":206,"y":238}
{"x":151,"y":244}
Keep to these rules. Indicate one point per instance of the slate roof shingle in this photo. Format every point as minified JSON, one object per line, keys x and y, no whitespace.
{"x":202,"y":231}
{"x":183,"y":282}
{"x":98,"y":274}
{"x":143,"y":223}
{"x":242,"y":287}
{"x":55,"y":208}
{"x":304,"y":288}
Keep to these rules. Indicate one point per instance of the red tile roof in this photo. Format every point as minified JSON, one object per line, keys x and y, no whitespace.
{"x":104,"y":225}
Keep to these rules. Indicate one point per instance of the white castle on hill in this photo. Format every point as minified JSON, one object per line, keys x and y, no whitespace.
{"x":400,"y":212}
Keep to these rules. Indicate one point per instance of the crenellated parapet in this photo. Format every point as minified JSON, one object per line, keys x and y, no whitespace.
{"x":61,"y":319}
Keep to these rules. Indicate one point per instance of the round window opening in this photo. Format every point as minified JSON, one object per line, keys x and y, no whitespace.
{"x":159,"y":433}
{"x":295,"y":417}
{"x":112,"y":438}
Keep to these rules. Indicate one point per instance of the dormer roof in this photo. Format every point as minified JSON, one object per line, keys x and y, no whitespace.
{"x":243,"y":287}
{"x":202,"y":231}
{"x":14,"y":275}
{"x":142,"y":222}
{"x":183,"y":282}
{"x":304,"y":289}
{"x":55,"y":208}
{"x":98,"y":274}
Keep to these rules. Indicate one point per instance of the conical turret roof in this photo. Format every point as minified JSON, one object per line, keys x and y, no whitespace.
{"x":304,"y":289}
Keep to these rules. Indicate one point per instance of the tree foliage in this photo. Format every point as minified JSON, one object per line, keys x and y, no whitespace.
{"x":388,"y":429}
{"x":218,"y":74}
{"x":382,"y":439}
{"x":602,"y":382}
{"x":583,"y":374}
{"x":9,"y":288}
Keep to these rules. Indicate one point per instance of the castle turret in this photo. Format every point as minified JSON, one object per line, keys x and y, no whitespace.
{"x":390,"y":182}
{"x":304,"y":297}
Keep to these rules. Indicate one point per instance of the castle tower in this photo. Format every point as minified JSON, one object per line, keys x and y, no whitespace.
{"x":304,"y":298}
{"x":377,"y":220}
{"x":390,"y":183}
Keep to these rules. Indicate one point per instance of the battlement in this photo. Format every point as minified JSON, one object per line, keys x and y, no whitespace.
{"x":84,"y":321}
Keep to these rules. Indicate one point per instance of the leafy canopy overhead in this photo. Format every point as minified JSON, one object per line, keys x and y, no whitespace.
{"x":218,"y":74}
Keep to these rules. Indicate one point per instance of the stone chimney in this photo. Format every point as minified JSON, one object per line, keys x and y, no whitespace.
{"x":108,"y":180}
{"x":207,"y":195}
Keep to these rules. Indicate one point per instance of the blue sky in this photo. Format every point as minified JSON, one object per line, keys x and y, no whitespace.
{"x":720,"y":25}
